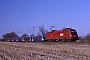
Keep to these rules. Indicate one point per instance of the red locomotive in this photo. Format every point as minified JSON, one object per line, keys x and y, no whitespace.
{"x":67,"y":34}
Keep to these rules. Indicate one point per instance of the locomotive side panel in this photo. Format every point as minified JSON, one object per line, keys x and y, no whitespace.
{"x":61,"y":35}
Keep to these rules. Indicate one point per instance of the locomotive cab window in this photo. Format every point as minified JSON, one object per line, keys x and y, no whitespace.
{"x":73,"y":31}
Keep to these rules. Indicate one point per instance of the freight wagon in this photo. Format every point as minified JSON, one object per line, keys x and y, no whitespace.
{"x":66,"y":34}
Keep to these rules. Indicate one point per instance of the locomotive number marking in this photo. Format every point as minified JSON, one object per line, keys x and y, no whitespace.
{"x":61,"y":34}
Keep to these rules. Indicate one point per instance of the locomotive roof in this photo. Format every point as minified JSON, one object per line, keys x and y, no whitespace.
{"x":63,"y":29}
{"x":68,"y":28}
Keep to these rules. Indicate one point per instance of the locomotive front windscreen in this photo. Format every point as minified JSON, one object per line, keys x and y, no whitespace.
{"x":73,"y":31}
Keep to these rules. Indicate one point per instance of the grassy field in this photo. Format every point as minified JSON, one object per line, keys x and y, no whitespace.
{"x":44,"y":51}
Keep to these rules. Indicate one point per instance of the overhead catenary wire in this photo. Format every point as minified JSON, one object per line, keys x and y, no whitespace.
{"x":76,"y":22}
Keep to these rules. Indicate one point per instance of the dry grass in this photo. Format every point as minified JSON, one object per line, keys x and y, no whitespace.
{"x":43,"y":51}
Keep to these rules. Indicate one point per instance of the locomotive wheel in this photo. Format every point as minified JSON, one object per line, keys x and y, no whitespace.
{"x":45,"y":40}
{"x":65,"y":40}
{"x":73,"y":40}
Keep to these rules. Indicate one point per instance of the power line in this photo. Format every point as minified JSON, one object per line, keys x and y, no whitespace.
{"x":75,"y":22}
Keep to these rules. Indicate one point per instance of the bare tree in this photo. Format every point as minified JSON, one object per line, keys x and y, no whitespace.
{"x":88,"y":38}
{"x":42,"y":30}
{"x":85,"y":39}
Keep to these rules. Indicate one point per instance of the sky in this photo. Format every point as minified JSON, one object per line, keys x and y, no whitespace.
{"x":26,"y":14}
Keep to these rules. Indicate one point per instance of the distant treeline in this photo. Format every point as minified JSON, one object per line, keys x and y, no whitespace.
{"x":85,"y":39}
